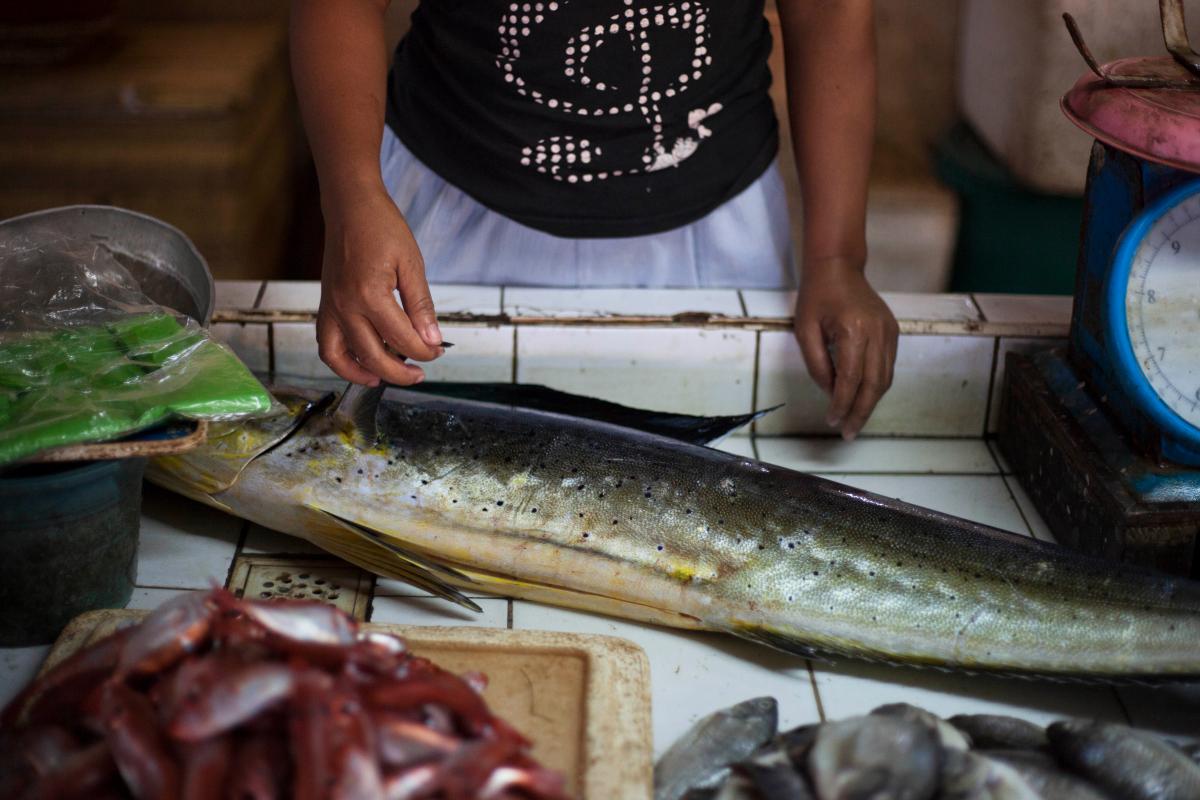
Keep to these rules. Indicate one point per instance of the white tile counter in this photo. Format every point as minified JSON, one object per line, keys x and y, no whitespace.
{"x":701,"y":351}
{"x":925,"y":446}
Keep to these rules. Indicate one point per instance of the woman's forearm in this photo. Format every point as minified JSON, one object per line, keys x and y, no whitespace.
{"x":339,"y":65}
{"x":829,"y":48}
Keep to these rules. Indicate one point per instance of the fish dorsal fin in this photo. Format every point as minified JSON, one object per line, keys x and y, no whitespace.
{"x":357,"y":410}
{"x":683,"y":427}
{"x":404,"y":564}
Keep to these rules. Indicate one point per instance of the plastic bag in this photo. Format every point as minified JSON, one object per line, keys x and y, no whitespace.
{"x":86,"y":356}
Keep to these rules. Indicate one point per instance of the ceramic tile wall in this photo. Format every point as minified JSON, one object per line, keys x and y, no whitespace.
{"x":940,"y":388}
{"x":479,"y":354}
{"x":250,"y":342}
{"x":687,"y":370}
{"x":294,"y":350}
{"x":917,"y":307}
{"x":832,"y":456}
{"x":237,"y":294}
{"x":1025,"y":309}
{"x":449,"y":299}
{"x":950,"y":364}
{"x":536,"y":302}
{"x":291,"y":295}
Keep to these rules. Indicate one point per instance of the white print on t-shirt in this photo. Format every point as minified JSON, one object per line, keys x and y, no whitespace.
{"x":684,"y":146}
{"x":573,"y":159}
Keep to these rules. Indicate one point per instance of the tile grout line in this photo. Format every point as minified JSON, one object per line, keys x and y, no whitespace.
{"x":262,"y":290}
{"x":509,"y":621}
{"x":987,"y":408}
{"x":1021,"y":511}
{"x":992,"y":446}
{"x":237,"y":551}
{"x":514,"y":355}
{"x":978,"y":308}
{"x":812,"y":680}
{"x":742,"y":301}
{"x":161,"y":588}
{"x":271,"y":348}
{"x":754,"y":387}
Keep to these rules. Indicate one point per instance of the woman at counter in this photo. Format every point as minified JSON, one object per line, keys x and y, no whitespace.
{"x":622,"y":143}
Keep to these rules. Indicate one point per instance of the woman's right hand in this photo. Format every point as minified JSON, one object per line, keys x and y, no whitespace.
{"x":369,"y":252}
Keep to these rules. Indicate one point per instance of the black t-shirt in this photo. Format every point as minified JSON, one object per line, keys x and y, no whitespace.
{"x":588,"y":118}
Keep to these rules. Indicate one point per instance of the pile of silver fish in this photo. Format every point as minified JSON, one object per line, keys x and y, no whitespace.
{"x":574,"y":505}
{"x":901,"y":752}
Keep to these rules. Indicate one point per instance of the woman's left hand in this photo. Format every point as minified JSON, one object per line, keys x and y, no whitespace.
{"x":848,"y":337}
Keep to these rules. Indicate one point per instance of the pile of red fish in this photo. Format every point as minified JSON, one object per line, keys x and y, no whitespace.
{"x":213,"y":697}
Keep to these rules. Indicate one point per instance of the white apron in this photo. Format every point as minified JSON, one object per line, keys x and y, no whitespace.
{"x":744,"y":243}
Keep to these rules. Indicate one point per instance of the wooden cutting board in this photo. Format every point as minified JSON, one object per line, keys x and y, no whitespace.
{"x":583,"y":700}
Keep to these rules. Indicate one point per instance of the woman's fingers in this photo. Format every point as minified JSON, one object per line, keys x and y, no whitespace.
{"x":368,"y":348}
{"x":816,"y":355}
{"x":418,"y":304}
{"x":332,"y":347}
{"x":848,"y":349}
{"x":386,"y":316}
{"x":875,"y":381}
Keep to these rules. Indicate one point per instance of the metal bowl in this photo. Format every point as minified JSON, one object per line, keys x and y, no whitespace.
{"x":160,"y":257}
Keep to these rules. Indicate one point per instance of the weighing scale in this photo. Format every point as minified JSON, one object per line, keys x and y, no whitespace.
{"x":1105,"y":437}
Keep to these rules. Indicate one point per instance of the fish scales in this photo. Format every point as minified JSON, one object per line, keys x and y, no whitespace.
{"x":593,"y":515}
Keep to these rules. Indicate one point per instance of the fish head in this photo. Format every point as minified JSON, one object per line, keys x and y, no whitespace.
{"x":231,"y":446}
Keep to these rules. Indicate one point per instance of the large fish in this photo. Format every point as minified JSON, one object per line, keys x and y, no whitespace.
{"x":456,"y":494}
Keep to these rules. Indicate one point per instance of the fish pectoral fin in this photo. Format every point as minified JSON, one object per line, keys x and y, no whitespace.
{"x":171,"y":482}
{"x":380,"y":554}
{"x":390,"y":542}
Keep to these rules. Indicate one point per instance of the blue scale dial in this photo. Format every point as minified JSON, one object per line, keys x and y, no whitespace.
{"x":1154,"y":312}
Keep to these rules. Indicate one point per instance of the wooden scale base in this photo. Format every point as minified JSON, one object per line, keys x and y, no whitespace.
{"x":1096,"y":493}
